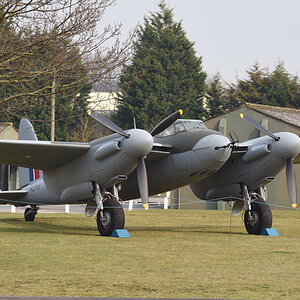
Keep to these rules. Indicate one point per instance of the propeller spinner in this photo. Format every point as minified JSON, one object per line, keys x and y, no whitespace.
{"x":141,"y":166}
{"x":287,"y":147}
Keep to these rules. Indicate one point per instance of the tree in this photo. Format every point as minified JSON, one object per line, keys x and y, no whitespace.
{"x":215,"y":94}
{"x":46,"y":41}
{"x":284,"y":88}
{"x":253,"y":90}
{"x":87,"y":129}
{"x":277,"y":88}
{"x":71,"y":102}
{"x":164,"y":75}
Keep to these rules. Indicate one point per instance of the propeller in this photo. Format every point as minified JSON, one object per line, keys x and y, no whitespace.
{"x":142,"y":180}
{"x":141,"y":166}
{"x":291,"y":181}
{"x":108,"y":123}
{"x":289,"y":167}
{"x":260,"y":127}
{"x":168,"y":121}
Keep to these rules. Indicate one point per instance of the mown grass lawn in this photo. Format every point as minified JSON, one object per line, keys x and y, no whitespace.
{"x":170,"y":254}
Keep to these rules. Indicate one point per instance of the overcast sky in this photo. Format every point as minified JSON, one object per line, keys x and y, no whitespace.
{"x":230,"y":35}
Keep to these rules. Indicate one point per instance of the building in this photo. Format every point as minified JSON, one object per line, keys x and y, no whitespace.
{"x":275,"y":119}
{"x":103,"y":102}
{"x":8,"y":174}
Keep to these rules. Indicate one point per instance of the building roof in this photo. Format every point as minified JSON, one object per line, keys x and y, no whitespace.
{"x":4,"y":126}
{"x":288,"y":115}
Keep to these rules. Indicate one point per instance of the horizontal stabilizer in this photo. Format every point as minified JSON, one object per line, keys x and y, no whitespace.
{"x":6,"y":197}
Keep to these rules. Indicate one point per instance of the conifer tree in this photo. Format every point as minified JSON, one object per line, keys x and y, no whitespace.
{"x":215,"y":94}
{"x":277,"y":88}
{"x":253,"y":90}
{"x":165,"y":74}
{"x":284,"y":88}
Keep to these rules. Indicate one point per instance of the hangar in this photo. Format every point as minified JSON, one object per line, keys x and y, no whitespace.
{"x":275,"y":119}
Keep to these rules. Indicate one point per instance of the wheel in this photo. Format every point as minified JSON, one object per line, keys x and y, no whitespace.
{"x":112,"y":218}
{"x":29,"y":214}
{"x":261,"y":217}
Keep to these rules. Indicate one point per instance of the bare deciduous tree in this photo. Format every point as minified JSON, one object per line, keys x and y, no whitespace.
{"x":28,"y":28}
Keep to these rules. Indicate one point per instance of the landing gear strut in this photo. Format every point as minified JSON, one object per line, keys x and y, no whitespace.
{"x":258,"y":214}
{"x":30,"y":213}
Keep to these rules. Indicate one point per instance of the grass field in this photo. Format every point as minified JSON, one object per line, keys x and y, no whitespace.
{"x":170,"y":254}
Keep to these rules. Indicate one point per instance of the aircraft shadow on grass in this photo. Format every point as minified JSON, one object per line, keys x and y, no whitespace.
{"x":25,"y":227}
{"x":188,"y":229}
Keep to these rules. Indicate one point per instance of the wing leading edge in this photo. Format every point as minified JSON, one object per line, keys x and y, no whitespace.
{"x":40,"y":154}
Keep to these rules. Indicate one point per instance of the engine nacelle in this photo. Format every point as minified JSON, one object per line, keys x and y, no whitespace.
{"x":228,"y":190}
{"x":107,"y":149}
{"x":256,"y":152}
{"x":77,"y":192}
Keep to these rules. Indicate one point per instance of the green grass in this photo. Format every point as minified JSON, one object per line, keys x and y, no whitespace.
{"x":170,"y":254}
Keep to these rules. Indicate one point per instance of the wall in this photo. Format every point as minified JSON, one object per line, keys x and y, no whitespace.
{"x":8,"y":174}
{"x":10,"y":133}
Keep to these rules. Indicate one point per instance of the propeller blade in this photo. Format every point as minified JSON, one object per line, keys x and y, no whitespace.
{"x":259,"y":127}
{"x":142,"y":181}
{"x":164,"y":124}
{"x":107,"y":123}
{"x":291,"y":181}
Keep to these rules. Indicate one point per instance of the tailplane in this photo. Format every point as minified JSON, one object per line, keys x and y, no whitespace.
{"x":26,"y":132}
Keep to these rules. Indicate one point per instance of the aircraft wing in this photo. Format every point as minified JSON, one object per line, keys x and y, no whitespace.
{"x":158,"y":151}
{"x":238,"y":151}
{"x":39,"y":155}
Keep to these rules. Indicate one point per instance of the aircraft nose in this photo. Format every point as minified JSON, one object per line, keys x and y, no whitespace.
{"x":288,"y":146}
{"x":139,"y":143}
{"x":218,"y":146}
{"x":221,"y":154}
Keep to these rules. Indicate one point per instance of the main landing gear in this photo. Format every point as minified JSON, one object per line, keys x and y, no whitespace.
{"x":111,"y":217}
{"x":30,"y":213}
{"x":258,"y":214}
{"x":109,"y":212}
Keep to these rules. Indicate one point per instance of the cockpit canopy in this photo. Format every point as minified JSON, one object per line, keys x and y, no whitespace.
{"x":182,"y":125}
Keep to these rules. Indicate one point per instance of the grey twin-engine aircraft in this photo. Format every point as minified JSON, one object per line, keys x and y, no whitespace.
{"x":176,"y":152}
{"x":240,"y":173}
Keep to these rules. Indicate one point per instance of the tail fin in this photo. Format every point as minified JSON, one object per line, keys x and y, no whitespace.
{"x":26,"y":132}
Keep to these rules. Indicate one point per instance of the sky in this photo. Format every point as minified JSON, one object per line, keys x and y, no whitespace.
{"x":230,"y":35}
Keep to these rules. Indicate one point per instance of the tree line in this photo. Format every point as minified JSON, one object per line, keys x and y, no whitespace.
{"x":275,"y":88}
{"x":165,"y":75}
{"x":54,"y":48}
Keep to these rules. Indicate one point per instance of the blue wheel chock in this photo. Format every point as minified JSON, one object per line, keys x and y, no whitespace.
{"x":269,"y":232}
{"x":120,"y":233}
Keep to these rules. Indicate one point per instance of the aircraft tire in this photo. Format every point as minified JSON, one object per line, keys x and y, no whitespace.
{"x":114,"y":217}
{"x":29,"y":215}
{"x":262,"y":217}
